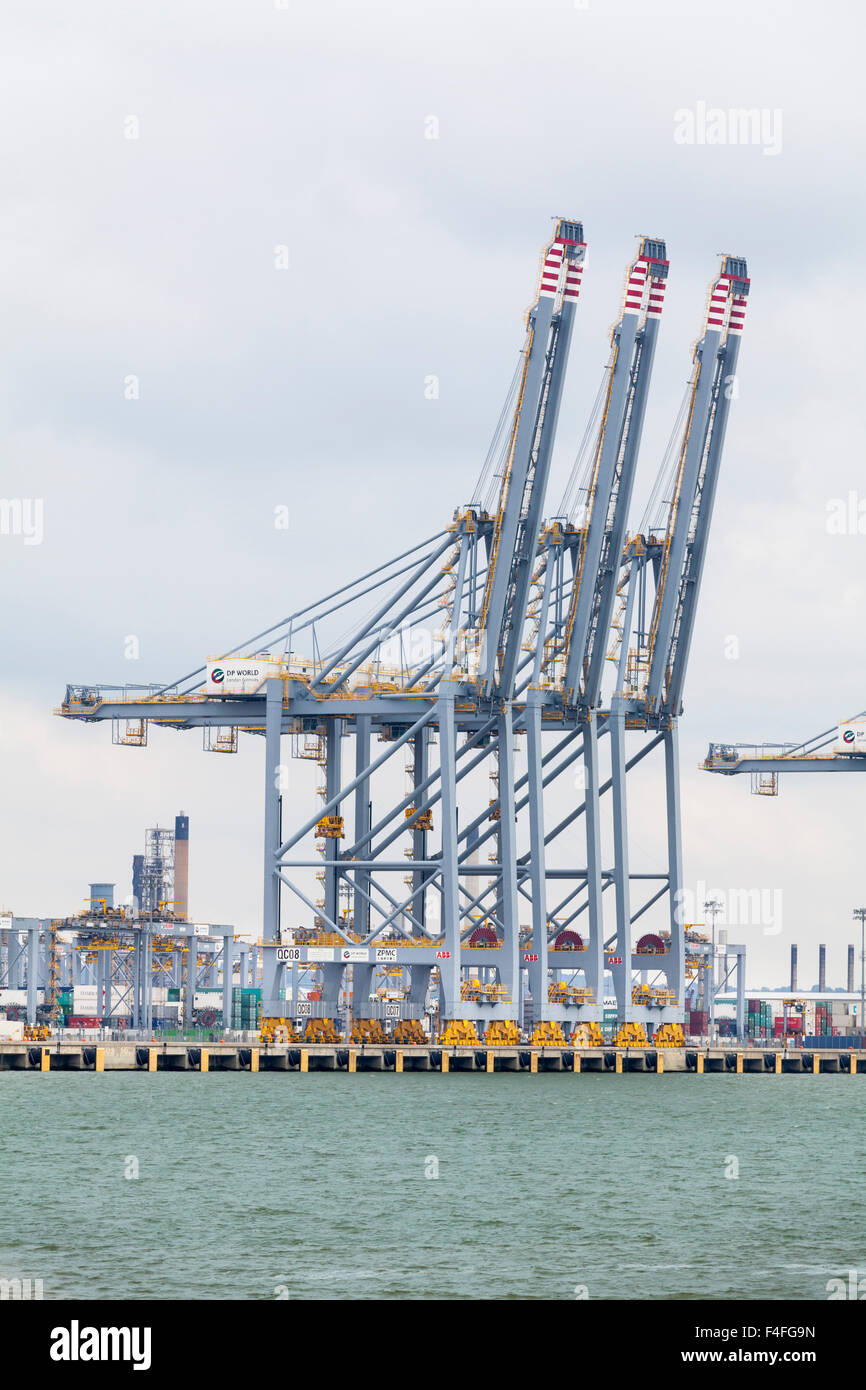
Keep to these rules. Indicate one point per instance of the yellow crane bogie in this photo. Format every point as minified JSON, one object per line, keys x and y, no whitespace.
{"x":321,"y":1030}
{"x":631,"y":1035}
{"x":587,"y":1035}
{"x":669,"y":1035}
{"x":278,"y":1030}
{"x":547,"y":1034}
{"x":409,"y":1033}
{"x":502,"y":1032}
{"x":368,"y":1030}
{"x":459,"y":1032}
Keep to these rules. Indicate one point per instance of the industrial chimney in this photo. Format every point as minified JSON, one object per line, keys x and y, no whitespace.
{"x":850,"y":969}
{"x":793,"y":969}
{"x":138,"y":881}
{"x":822,"y":969}
{"x":181,"y":865}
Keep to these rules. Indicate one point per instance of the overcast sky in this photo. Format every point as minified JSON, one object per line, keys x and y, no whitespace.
{"x":155,"y":157}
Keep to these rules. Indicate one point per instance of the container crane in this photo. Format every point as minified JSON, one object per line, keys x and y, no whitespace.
{"x":596,"y":563}
{"x":486,"y":578}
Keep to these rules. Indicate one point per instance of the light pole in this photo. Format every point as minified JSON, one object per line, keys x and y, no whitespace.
{"x":860,"y":914}
{"x":713,"y":906}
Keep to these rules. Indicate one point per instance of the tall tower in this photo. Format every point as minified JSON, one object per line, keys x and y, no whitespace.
{"x":157,"y":878}
{"x":793,"y":969}
{"x":138,"y":881}
{"x":822,"y":969}
{"x":181,"y":865}
{"x":101,"y":893}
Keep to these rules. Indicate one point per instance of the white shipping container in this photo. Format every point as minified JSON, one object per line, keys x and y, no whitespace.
{"x":88,"y":1001}
{"x":851,"y":737}
{"x":12,"y":996}
{"x":84,"y":1001}
{"x":207,"y":999}
{"x":10,"y":1031}
{"x":121,"y":1001}
{"x":240,"y":675}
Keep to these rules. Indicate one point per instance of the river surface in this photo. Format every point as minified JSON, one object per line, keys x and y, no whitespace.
{"x":467,"y":1185}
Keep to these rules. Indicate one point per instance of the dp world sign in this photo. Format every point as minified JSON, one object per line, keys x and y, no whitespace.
{"x":240,"y":676}
{"x":851,"y":737}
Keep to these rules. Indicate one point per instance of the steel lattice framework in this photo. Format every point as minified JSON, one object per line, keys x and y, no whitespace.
{"x":495,"y":632}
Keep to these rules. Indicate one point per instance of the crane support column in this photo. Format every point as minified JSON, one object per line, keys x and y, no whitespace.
{"x":677,"y":959}
{"x":420,"y":764}
{"x":333,"y":783}
{"x":191,"y":973}
{"x":622,"y":972}
{"x":228,"y":950}
{"x":449,"y":966}
{"x":362,"y":822}
{"x":32,"y":968}
{"x":271,"y":1006}
{"x":595,"y":911}
{"x":538,"y":883}
{"x":510,"y":968}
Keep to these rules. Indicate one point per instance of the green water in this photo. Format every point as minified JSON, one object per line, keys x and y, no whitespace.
{"x":314,"y":1186}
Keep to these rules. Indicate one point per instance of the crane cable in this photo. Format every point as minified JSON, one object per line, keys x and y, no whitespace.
{"x":581,"y":472}
{"x":662,"y":492}
{"x":487,"y":485}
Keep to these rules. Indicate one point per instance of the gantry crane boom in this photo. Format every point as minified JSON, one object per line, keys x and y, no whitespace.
{"x":632,"y":351}
{"x":522,"y":462}
{"x":832,"y":750}
{"x":682,"y":560}
{"x":607,"y":580}
{"x":548,"y":413}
